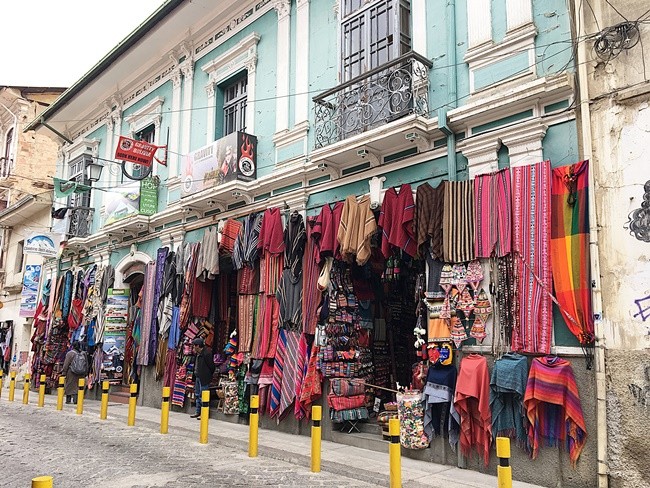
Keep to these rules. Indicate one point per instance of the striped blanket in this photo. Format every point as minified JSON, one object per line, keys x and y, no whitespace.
{"x":553,"y":407}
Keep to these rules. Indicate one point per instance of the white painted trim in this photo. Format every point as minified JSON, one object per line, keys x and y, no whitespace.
{"x":479,"y":22}
{"x":150,"y":114}
{"x":241,"y":56}
{"x":301,"y":100}
{"x":174,"y":126}
{"x":419,"y":34}
{"x":187,"y":68}
{"x":519,"y":12}
{"x":283,"y":64}
{"x":287,"y":137}
{"x":125,"y":262}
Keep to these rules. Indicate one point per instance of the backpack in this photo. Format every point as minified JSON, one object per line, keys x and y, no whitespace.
{"x":79,"y":364}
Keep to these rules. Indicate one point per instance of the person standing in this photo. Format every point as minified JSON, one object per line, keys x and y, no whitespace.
{"x":71,"y":378}
{"x":203,"y":370}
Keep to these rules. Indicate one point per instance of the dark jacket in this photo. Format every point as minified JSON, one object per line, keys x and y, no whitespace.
{"x":204,"y":366}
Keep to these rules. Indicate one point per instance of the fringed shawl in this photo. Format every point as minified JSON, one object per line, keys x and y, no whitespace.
{"x":507,"y":389}
{"x":553,"y":407}
{"x":439,"y":403}
{"x":473,"y":405}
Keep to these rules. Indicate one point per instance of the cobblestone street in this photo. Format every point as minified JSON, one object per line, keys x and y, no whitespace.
{"x":88,"y":452}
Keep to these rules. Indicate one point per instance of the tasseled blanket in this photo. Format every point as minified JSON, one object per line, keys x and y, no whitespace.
{"x":438,"y":394}
{"x":507,"y":389}
{"x":473,"y":405}
{"x":553,"y":407}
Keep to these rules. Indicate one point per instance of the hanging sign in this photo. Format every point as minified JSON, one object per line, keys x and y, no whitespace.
{"x":43,"y":244}
{"x":138,"y":152}
{"x":121,"y":202}
{"x":148,"y":196}
{"x":29,"y":294}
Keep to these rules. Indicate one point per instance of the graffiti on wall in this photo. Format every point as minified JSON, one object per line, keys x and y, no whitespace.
{"x":641,"y":394}
{"x":639,"y":219}
{"x":643,"y":305}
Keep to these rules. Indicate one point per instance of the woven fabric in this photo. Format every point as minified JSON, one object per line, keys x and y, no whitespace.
{"x":532,"y":236}
{"x":311,"y":295}
{"x":229,"y":235}
{"x":357,"y":226}
{"x":493,"y":210}
{"x":458,"y":222}
{"x":271,"y":238}
{"x":344,"y":387}
{"x":570,"y":248}
{"x":295,"y":238}
{"x":396,"y":221}
{"x":290,"y":371}
{"x":325,"y":232}
{"x":553,"y":407}
{"x":507,"y":389}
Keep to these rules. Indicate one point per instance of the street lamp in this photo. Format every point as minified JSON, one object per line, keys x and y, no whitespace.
{"x":94,"y":171}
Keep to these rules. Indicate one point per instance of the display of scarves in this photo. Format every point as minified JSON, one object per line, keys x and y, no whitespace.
{"x":458,"y":222}
{"x":157,"y":292}
{"x":493,"y":211}
{"x":570,"y":248}
{"x":278,"y":369}
{"x":553,"y":407}
{"x":531,"y":189}
{"x":472,"y":403}
{"x":311,"y":295}
{"x":66,"y":299}
{"x":170,"y":368}
{"x":189,"y":254}
{"x":507,"y":389}
{"x":295,"y":238}
{"x":290,"y":371}
{"x":148,"y":289}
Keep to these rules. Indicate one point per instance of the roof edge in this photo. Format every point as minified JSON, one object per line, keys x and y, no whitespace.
{"x":129,"y":41}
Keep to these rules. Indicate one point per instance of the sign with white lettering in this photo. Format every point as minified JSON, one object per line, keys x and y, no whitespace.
{"x":138,"y":152}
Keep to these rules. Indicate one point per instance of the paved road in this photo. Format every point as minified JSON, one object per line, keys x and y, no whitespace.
{"x":84,"y":451}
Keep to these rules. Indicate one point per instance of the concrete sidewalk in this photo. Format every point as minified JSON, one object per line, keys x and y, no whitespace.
{"x":353,"y":462}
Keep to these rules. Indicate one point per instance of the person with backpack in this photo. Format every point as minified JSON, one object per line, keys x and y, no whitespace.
{"x":203,"y":370}
{"x":75,"y":367}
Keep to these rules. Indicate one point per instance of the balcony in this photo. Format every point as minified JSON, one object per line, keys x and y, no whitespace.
{"x":382,"y":95}
{"x":81,"y":221}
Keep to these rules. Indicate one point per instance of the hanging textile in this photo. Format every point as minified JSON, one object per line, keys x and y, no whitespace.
{"x":290,"y":371}
{"x":246,"y":244}
{"x":532,"y":235}
{"x":553,"y":407}
{"x":570,"y":248}
{"x":440,"y":415}
{"x":295,"y":237}
{"x":396,"y":221}
{"x":311,"y":295}
{"x":507,"y":389}
{"x":278,"y":369}
{"x":493,"y":210}
{"x":325,"y":232}
{"x":271,"y":237}
{"x":507,"y":299}
{"x":142,"y":353}
{"x":161,"y":258}
{"x":355,"y":230}
{"x":472,"y":401}
{"x":312,"y":383}
{"x":229,"y":233}
{"x":458,"y":222}
{"x":429,"y":213}
{"x":301,"y":372}
{"x":289,"y":297}
{"x":410,"y":409}
{"x":207,"y":263}
{"x":189,"y":267}
{"x":246,"y":322}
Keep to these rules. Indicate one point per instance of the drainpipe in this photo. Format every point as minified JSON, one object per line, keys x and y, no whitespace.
{"x":599,"y":352}
{"x":452,"y":91}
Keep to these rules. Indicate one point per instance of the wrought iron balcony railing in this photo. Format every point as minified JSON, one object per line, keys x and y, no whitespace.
{"x":379,"y":96}
{"x":81,"y":221}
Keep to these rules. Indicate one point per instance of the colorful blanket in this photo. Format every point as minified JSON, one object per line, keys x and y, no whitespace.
{"x":570,"y":248}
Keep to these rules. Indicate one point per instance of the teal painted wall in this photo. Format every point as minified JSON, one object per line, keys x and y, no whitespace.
{"x":323,"y":53}
{"x":293,"y":66}
{"x":194,"y":235}
{"x":560,"y":145}
{"x":266,"y":28}
{"x":553,"y":42}
{"x":97,"y":198}
{"x":501,"y":70}
{"x":150,"y":247}
{"x":118,"y":254}
{"x":499,"y":20}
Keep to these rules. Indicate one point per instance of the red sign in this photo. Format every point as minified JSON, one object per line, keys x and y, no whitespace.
{"x":138,"y":152}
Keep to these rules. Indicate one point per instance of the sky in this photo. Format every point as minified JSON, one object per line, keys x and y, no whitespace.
{"x":54,"y":42}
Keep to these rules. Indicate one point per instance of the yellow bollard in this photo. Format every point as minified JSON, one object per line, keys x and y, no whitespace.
{"x":205,"y":416}
{"x":103,"y":411}
{"x":42,"y":482}
{"x":253,"y":426}
{"x":395,"y":454}
{"x":504,"y":470}
{"x":80,"y":396}
{"x":12,"y":386}
{"x":41,"y":390}
{"x":132,"y":399}
{"x":59,"y":393}
{"x":26,"y":389}
{"x":164,"y":410}
{"x":316,"y":416}
{"x":1,"y":378}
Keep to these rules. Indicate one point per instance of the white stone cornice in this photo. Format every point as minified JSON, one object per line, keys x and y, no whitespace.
{"x":242,"y":54}
{"x":209,"y":90}
{"x":176,"y":78}
{"x":283,"y":8}
{"x":151,"y":113}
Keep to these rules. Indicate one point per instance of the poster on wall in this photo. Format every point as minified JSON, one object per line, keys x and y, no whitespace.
{"x":42,"y":244}
{"x":122,"y":202}
{"x":29,"y":293}
{"x":231,"y":158}
{"x":116,"y":313}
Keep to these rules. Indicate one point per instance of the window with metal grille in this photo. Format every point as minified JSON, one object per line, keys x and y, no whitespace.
{"x":234,"y":105}
{"x":372,"y":34}
{"x":77,"y":172}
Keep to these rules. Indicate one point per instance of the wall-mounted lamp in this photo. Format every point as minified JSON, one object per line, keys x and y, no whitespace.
{"x":94,"y":171}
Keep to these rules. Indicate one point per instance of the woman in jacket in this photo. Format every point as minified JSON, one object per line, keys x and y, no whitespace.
{"x":71,"y":380}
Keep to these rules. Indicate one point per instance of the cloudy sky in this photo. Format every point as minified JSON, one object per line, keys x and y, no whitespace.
{"x":54,"y":42}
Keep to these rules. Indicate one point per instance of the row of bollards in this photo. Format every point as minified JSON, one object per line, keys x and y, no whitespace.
{"x":504,"y":470}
